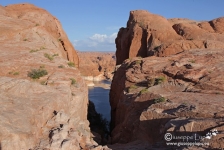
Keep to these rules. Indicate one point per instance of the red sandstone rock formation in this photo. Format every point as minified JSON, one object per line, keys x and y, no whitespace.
{"x":181,"y":92}
{"x":147,"y":34}
{"x":93,"y":64}
{"x":45,"y":113}
{"x":37,"y":19}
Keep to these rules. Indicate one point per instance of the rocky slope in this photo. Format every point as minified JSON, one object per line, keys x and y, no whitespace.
{"x":176,"y":88}
{"x":96,"y":66}
{"x":148,"y":34}
{"x":45,"y":113}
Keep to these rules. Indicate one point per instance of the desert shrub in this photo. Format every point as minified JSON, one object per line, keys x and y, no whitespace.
{"x":71,"y":64}
{"x":37,"y":73}
{"x":73,"y":81}
{"x":191,"y":61}
{"x":16,"y":73}
{"x":132,"y":87}
{"x":143,"y":91}
{"x":137,"y":62}
{"x":160,"y":80}
{"x":151,"y":82}
{"x":55,"y":55}
{"x":61,"y":66}
{"x":25,"y":39}
{"x":48,"y":56}
{"x":34,"y":50}
{"x":159,"y":100}
{"x":42,"y":47}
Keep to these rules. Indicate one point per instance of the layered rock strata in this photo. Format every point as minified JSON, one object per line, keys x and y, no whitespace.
{"x":46,"y":112}
{"x":148,"y":34}
{"x":178,"y":89}
{"x":97,"y":66}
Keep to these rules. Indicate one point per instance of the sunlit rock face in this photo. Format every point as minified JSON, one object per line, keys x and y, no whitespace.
{"x":49,"y":111}
{"x":176,"y":88}
{"x":148,"y":34}
{"x":97,"y":66}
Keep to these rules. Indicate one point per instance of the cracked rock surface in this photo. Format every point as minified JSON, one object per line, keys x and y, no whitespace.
{"x":178,"y":86}
{"x":49,"y":112}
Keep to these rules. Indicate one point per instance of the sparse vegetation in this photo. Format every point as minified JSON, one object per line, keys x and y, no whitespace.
{"x":73,"y":81}
{"x":37,"y":73}
{"x":151,"y":82}
{"x":59,"y":39}
{"x":25,"y":40}
{"x":160,"y":80}
{"x":143,"y":91}
{"x":191,"y":61}
{"x":159,"y":100}
{"x":61,"y":66}
{"x":55,"y":55}
{"x":137,"y":62}
{"x":34,"y":50}
{"x":37,"y":24}
{"x":155,"y":81}
{"x":48,"y":56}
{"x":42,"y":47}
{"x":184,"y":103}
{"x":132,"y":87}
{"x":71,"y":64}
{"x":16,"y":73}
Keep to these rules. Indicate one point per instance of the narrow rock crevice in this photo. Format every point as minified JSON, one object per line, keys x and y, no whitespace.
{"x":99,"y":125}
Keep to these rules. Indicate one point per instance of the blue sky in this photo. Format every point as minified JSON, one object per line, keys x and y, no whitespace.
{"x":92,"y":25}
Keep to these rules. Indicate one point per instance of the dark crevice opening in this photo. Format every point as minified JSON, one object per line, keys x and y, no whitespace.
{"x":99,"y":125}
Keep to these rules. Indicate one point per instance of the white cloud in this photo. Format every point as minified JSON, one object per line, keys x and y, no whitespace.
{"x":97,"y":42}
{"x":99,"y":37}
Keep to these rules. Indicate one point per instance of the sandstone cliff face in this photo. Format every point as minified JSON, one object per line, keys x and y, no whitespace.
{"x":45,"y":113}
{"x":22,"y":20}
{"x":147,"y":34}
{"x":97,"y":65}
{"x":180,"y":92}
